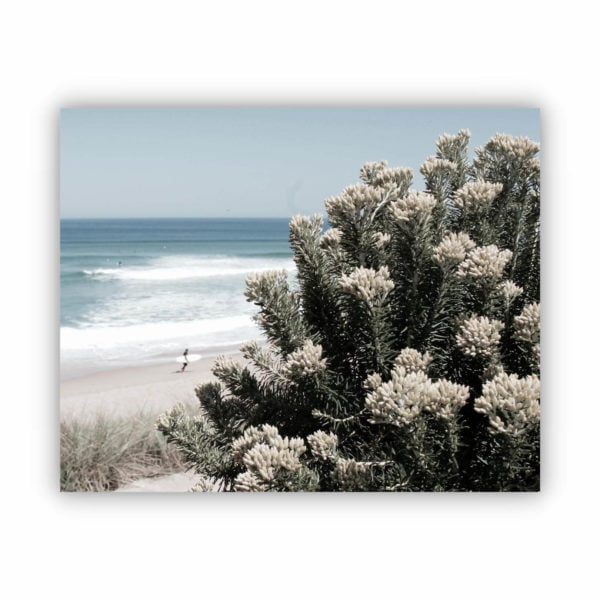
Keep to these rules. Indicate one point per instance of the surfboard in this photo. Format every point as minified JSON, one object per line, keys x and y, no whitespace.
{"x":190,"y":358}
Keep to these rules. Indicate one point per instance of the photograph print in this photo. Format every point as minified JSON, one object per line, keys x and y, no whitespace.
{"x":299,"y":300}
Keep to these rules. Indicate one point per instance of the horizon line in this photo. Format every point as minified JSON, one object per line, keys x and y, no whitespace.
{"x":164,"y":218}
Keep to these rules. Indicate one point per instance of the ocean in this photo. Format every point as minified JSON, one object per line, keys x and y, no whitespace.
{"x":140,"y":291}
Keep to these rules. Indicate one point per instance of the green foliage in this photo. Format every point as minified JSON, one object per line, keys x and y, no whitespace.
{"x":405,"y":356}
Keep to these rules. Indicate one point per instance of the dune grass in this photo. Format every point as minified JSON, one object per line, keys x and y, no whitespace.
{"x":105,"y":453}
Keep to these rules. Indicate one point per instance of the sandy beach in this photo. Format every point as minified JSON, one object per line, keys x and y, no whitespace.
{"x":131,"y":391}
{"x":126,"y":391}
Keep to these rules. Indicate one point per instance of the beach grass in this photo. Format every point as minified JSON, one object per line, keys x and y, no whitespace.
{"x":105,"y":453}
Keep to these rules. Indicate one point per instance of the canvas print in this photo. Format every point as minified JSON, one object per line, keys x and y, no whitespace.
{"x":300,"y":300}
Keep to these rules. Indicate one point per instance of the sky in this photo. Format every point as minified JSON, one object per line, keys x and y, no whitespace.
{"x":247,"y":162}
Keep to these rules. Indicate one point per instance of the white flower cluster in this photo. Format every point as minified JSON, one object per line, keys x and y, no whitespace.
{"x":368,"y":284}
{"x":323,"y":445}
{"x":399,"y":400}
{"x":373,"y":381}
{"x":413,"y":361}
{"x":453,"y":249}
{"x":477,"y":194}
{"x":527,"y":324}
{"x":331,"y":238}
{"x":165,"y":420}
{"x":511,"y":404}
{"x":204,"y":485}
{"x":447,"y":398}
{"x":381,"y":239}
{"x":301,"y":225}
{"x":514,"y":148}
{"x":413,"y":205}
{"x":264,"y":453}
{"x":162,"y":422}
{"x":484,"y":262}
{"x":409,"y":394}
{"x":370,"y":170}
{"x":437,"y":167}
{"x":264,"y":461}
{"x":256,"y":283}
{"x":249,"y":348}
{"x":479,"y":336}
{"x":453,"y":145}
{"x":299,"y":222}
{"x":394,"y":181}
{"x":225,"y":365}
{"x":351,"y":474}
{"x":264,"y":434}
{"x":305,"y":361}
{"x":249,"y":482}
{"x":352,"y":202}
{"x":509,"y":290}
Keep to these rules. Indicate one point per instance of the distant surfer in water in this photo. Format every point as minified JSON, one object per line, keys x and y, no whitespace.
{"x":185,"y":362}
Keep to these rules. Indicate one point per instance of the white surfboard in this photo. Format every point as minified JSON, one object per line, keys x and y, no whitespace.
{"x":190,"y":358}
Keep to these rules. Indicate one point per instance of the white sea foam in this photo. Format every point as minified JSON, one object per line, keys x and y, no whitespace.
{"x":141,"y":319}
{"x":109,"y":345}
{"x":202,"y":332}
{"x":191,"y":267}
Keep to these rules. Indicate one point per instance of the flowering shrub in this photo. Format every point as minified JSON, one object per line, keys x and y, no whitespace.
{"x":406,"y":356}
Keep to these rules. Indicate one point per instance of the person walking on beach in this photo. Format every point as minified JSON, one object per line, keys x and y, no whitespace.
{"x":185,"y":362}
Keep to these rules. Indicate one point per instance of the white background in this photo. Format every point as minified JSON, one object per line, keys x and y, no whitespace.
{"x":509,"y":53}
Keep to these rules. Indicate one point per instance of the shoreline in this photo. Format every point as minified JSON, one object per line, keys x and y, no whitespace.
{"x":69,"y":371}
{"x":127,"y":391}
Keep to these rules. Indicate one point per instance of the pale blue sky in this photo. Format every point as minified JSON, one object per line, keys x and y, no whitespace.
{"x":252,"y":162}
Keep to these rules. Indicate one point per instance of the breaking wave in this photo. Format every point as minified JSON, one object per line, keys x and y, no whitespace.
{"x":174,"y":268}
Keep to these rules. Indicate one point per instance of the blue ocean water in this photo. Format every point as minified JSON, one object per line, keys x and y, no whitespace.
{"x":135,"y":291}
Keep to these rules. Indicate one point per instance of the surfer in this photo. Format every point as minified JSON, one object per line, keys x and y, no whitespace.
{"x":185,"y":362}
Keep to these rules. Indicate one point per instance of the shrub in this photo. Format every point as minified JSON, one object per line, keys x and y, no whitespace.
{"x":405,"y":356}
